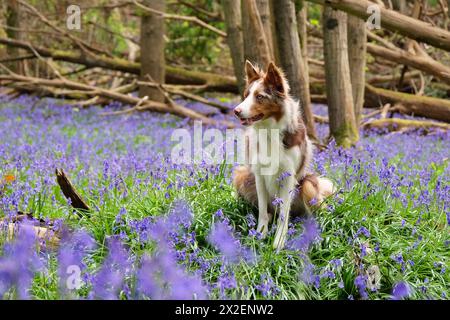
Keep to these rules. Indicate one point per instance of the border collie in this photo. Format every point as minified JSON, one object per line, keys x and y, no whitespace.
{"x":268,"y":106}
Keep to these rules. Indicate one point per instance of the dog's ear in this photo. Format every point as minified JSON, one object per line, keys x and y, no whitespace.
{"x":274,"y":79}
{"x":251,"y":72}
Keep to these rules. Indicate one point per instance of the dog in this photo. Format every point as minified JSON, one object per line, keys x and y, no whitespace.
{"x":268,"y":105}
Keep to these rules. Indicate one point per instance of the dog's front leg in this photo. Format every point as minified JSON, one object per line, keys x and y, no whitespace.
{"x":263,"y":198}
{"x":283,"y":218}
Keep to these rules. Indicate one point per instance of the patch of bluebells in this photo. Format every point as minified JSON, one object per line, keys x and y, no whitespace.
{"x":36,"y":140}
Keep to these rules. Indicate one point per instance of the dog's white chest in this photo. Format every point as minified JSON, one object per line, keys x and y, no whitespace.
{"x":271,"y":160}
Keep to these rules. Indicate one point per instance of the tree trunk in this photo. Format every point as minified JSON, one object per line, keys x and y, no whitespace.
{"x":291,"y":59}
{"x":337,"y":76}
{"x":13,"y":20}
{"x":394,"y":21}
{"x":152,"y":50}
{"x":256,"y":47}
{"x":448,"y":7}
{"x":233,"y":20}
{"x":357,"y":43}
{"x":302,"y":23}
{"x":264,"y":13}
{"x":400,"y":6}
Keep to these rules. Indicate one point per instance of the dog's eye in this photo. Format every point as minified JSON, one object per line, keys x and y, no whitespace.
{"x":259,"y":97}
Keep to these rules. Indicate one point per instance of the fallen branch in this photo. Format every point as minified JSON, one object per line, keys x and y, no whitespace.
{"x":395,"y":124}
{"x":71,"y":193}
{"x":429,"y":107}
{"x":421,"y":62}
{"x":394,"y":21}
{"x":190,"y":96}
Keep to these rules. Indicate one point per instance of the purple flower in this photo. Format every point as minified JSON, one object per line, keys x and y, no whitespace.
{"x":361,"y":285}
{"x":71,"y":254}
{"x":159,"y":277}
{"x":277,"y":201}
{"x":19,"y":262}
{"x":222,"y":238}
{"x":311,"y":234}
{"x":109,"y":280}
{"x":401,"y":290}
{"x":267,"y":287}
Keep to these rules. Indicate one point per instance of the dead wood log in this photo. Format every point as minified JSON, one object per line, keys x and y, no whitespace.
{"x":429,"y":107}
{"x":394,"y":21}
{"x":395,"y":124}
{"x":43,"y":231}
{"x":71,"y":193}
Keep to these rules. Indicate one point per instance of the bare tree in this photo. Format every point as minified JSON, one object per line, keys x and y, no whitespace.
{"x":152,"y":49}
{"x":288,"y":43}
{"x":357,"y":48}
{"x":337,"y":76}
{"x":233,"y":21}
{"x":256,"y":46}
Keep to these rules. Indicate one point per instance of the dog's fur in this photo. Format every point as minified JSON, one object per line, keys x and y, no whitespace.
{"x":268,"y":105}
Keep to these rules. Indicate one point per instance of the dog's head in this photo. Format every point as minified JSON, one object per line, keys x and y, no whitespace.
{"x":263,"y":95}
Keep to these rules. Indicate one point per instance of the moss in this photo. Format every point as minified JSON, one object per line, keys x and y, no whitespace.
{"x":346,"y":135}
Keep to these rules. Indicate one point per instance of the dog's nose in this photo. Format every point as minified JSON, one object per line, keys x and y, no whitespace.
{"x":237,"y":111}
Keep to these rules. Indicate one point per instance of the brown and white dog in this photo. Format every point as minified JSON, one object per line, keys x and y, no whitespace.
{"x":267,"y":105}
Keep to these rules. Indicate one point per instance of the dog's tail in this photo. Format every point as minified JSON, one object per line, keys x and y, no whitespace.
{"x":315,"y":189}
{"x":244,"y":183}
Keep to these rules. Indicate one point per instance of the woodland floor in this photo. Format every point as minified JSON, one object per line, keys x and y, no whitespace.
{"x":392,"y":212}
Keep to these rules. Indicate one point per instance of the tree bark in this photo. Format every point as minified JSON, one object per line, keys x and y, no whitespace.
{"x":357,"y":41}
{"x":152,"y":49}
{"x":394,"y":21}
{"x":302,"y":23}
{"x":291,"y":58}
{"x":233,"y":21}
{"x":337,"y":76}
{"x":13,"y":20}
{"x":256,"y":47}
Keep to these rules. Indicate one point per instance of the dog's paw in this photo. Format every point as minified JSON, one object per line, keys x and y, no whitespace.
{"x":280,"y":237}
{"x":263,"y":228}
